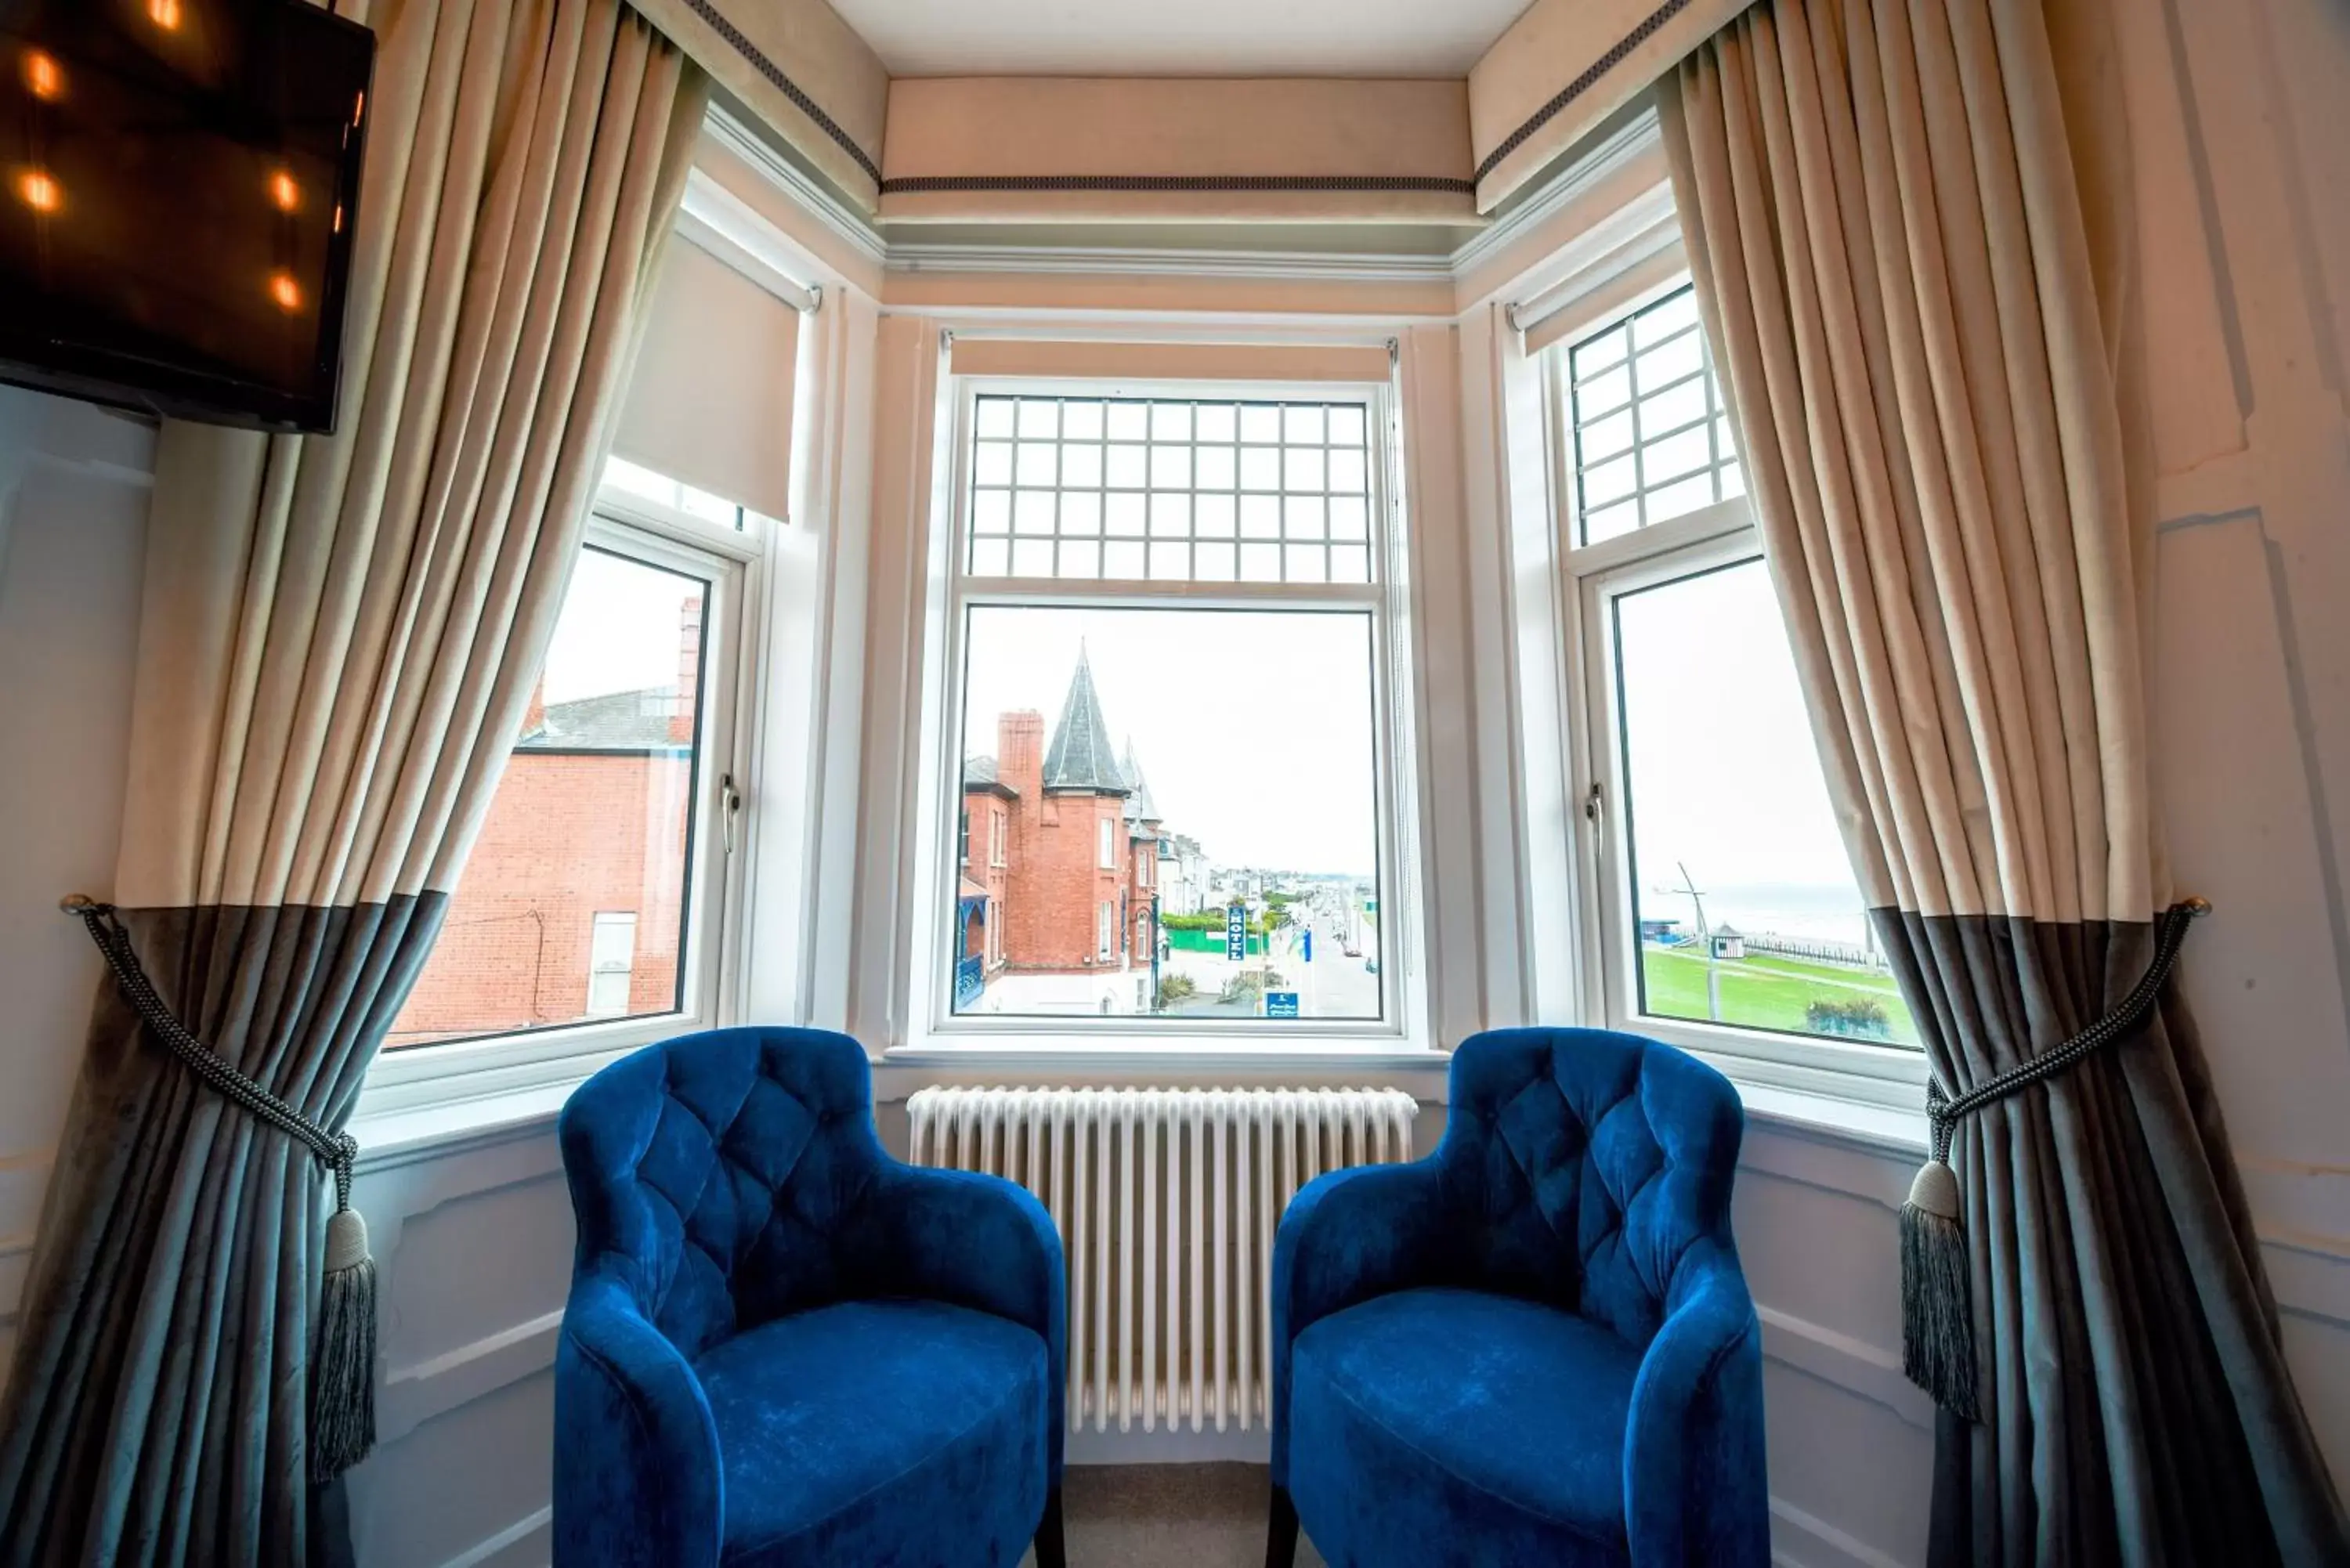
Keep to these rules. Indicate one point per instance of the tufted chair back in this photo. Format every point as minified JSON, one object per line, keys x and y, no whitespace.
{"x":711,"y":1175}
{"x":1594,"y":1159}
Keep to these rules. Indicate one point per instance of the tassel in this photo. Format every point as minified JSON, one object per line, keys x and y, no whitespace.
{"x":342,"y":1409}
{"x":1937,"y":1327}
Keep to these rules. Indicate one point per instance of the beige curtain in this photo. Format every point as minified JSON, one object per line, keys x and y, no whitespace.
{"x":1882,"y":213}
{"x":337,"y":642}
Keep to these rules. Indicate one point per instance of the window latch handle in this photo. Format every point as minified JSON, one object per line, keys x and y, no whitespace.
{"x":730,"y":804}
{"x":1591,"y":805}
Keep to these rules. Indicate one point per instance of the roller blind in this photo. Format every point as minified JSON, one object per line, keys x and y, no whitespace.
{"x":709,"y":400}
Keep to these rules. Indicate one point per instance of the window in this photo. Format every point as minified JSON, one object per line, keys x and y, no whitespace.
{"x":593,"y":890}
{"x":611,"y":961}
{"x":1168,"y":618}
{"x":1724,"y":902}
{"x":1170,"y":491}
{"x":964,"y":834}
{"x":999,"y":827}
{"x":1648,"y":431}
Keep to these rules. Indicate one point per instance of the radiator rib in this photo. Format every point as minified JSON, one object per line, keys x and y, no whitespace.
{"x":1166,"y":1202}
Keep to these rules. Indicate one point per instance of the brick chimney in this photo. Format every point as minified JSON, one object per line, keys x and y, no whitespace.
{"x":689,"y":669}
{"x":1020,"y":753}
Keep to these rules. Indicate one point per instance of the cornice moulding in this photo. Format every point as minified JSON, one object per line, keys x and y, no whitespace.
{"x":1634,"y":139}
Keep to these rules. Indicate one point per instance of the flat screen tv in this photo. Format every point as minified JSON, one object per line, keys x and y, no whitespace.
{"x":179,"y":185}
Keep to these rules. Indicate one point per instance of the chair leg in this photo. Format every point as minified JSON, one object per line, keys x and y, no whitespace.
{"x":1051,"y":1547}
{"x":1281,"y":1531}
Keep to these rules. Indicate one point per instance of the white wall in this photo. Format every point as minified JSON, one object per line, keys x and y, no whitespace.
{"x":2243,"y":213}
{"x":74,"y":482}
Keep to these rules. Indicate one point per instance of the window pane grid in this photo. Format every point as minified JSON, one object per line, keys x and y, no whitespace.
{"x":1169,"y":490}
{"x":1650,"y":437}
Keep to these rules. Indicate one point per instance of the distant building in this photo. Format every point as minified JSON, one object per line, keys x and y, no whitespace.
{"x":1729,"y":942}
{"x":1059,"y":858}
{"x":1182,"y":876}
{"x":1667,"y":932}
{"x":568,"y":907}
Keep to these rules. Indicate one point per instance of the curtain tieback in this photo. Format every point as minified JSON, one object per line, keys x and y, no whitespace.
{"x":1937,"y":1349}
{"x":342,"y":1409}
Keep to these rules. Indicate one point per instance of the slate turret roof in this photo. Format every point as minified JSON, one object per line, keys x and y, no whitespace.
{"x":1139,"y":806}
{"x":1081,"y":757}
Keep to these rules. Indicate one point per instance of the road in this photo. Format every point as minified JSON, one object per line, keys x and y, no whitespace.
{"x":1332,"y":986}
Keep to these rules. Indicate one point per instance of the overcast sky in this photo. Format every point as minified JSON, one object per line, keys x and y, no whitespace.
{"x":618,"y":630}
{"x":1724,"y":774}
{"x":1253,"y":728}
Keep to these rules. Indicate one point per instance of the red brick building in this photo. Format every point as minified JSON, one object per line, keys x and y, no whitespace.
{"x":1059,"y":846}
{"x":569,"y":907}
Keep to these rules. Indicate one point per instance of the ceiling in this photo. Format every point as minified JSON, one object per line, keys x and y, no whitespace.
{"x":1180,"y":38}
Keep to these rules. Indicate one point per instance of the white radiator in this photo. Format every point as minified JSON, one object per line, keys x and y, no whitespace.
{"x":1166,"y":1202}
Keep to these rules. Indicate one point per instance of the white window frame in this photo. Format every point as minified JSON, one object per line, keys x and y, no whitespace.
{"x":1107,"y":860}
{"x":1404,"y":1030}
{"x":733,"y":564}
{"x":1721,"y":535}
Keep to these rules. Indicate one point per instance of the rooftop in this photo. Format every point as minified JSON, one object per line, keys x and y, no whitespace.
{"x":1081,"y":758}
{"x":635,"y":721}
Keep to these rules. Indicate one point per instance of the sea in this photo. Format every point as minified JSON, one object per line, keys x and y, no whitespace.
{"x":1828,"y":914}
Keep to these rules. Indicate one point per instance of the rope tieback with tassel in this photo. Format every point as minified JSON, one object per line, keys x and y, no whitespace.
{"x":1937,"y":1347}
{"x":342,"y":1404}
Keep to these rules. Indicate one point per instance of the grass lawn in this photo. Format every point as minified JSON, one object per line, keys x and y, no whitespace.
{"x":1764,"y":993}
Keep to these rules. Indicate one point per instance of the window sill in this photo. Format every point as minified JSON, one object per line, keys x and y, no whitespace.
{"x":1176,"y":1060}
{"x":1825,"y":1118}
{"x":390,"y":1139}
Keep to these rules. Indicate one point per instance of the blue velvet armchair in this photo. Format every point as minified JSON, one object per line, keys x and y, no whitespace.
{"x":1535,"y":1345}
{"x":783,"y":1347}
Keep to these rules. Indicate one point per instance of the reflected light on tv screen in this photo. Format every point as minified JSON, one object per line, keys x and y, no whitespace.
{"x":44,"y":78}
{"x":39,"y":191}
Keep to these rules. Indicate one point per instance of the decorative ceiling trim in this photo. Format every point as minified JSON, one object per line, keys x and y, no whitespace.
{"x":1584,"y":83}
{"x":1635,"y":138}
{"x":757,"y":59}
{"x":1302,"y":266}
{"x":845,"y":222}
{"x":927,"y":184}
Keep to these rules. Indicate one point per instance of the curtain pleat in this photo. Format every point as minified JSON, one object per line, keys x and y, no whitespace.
{"x":337,"y":640}
{"x":1886,"y":223}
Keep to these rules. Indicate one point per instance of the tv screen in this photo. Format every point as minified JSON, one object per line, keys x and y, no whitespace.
{"x":182,"y":185}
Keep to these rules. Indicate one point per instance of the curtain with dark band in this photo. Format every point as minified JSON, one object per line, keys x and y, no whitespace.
{"x":1882,"y":213}
{"x":337,"y":644}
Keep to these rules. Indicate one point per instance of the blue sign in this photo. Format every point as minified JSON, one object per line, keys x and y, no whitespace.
{"x":1309,"y":944}
{"x":1236,"y":932}
{"x":1281,"y":1004}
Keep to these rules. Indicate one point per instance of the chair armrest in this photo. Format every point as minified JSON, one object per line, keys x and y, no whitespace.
{"x":1345,"y":1238}
{"x":976,"y":1240}
{"x":637,"y":1475}
{"x":1695,"y":1489}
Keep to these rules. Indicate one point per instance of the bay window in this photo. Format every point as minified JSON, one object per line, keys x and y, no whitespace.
{"x":1167,"y":621}
{"x":1717,"y":889}
{"x":588,"y":916}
